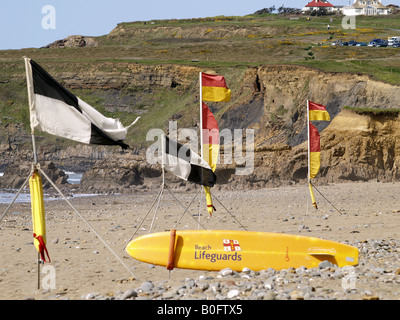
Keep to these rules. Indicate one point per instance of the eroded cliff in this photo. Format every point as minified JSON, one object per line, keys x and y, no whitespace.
{"x":269,"y":99}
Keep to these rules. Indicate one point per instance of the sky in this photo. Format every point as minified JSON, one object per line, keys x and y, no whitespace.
{"x":36,"y":23}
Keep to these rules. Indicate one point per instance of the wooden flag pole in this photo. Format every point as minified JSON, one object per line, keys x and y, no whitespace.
{"x":36,"y":166}
{"x":35,"y":158}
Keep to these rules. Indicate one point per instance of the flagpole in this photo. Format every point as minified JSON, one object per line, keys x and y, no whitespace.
{"x":163,"y":154}
{"x":30,"y":101}
{"x":28,"y":72}
{"x":308,"y":148}
{"x":201,"y":128}
{"x":308,"y":136}
{"x":201,"y":114}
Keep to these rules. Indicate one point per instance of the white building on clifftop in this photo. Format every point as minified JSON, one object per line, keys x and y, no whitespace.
{"x":359,"y":7}
{"x":319,"y":4}
{"x":366,"y":7}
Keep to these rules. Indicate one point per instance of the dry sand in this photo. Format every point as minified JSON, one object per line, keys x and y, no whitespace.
{"x":84,"y":265}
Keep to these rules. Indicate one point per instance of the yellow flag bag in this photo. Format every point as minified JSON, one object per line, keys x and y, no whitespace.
{"x":38,"y":216}
{"x":210,"y":206}
{"x":312,"y":196}
{"x":316,"y":112}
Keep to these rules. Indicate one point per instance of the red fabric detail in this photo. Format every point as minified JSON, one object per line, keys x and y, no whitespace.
{"x":42,"y":248}
{"x":210,"y":126}
{"x":315,"y":145}
{"x":209,"y":80}
{"x":316,"y":106}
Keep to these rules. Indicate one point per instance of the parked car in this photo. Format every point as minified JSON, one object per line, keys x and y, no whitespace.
{"x":382,"y":44}
{"x":352,"y":43}
{"x":396,"y":45}
{"x":393,"y":40}
{"x":336,"y":43}
{"x":361,"y":44}
{"x":376,"y":43}
{"x":344,"y":43}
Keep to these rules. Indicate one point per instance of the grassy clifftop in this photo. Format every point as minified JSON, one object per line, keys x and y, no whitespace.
{"x":248,"y":40}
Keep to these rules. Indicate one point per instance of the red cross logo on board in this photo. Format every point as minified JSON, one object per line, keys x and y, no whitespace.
{"x":231,"y":245}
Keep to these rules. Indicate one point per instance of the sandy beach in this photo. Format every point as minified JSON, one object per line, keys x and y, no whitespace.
{"x":363,"y":214}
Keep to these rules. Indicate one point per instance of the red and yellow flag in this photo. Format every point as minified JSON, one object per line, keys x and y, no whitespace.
{"x":315,"y":151}
{"x":317,"y":112}
{"x":314,"y":158}
{"x":210,"y":132}
{"x":214,"y":88}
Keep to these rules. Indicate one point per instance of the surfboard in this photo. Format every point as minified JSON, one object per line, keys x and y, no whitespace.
{"x":215,"y":250}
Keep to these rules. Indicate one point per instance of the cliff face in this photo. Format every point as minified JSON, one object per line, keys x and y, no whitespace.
{"x":353,"y":148}
{"x":74,"y":41}
{"x":130,"y":76}
{"x":269,"y":99}
{"x":360,"y":147}
{"x":281,"y":92}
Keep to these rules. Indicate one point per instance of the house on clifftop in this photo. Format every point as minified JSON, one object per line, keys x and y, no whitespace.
{"x":366,"y":7}
{"x":359,"y":7}
{"x":319,"y":4}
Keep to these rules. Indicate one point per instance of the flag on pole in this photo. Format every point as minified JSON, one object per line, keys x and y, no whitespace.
{"x":314,"y":158}
{"x":38,"y":215}
{"x":210,"y":132}
{"x":214,"y":88}
{"x":186,"y":164}
{"x":315,"y":151}
{"x":317,"y":112}
{"x":55,"y":110}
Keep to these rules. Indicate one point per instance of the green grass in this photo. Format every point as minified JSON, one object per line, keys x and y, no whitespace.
{"x":165,"y":104}
{"x":375,"y":112}
{"x":14,"y":104}
{"x":383,"y":70}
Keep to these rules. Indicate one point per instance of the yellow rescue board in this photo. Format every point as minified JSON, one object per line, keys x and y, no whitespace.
{"x":215,"y":250}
